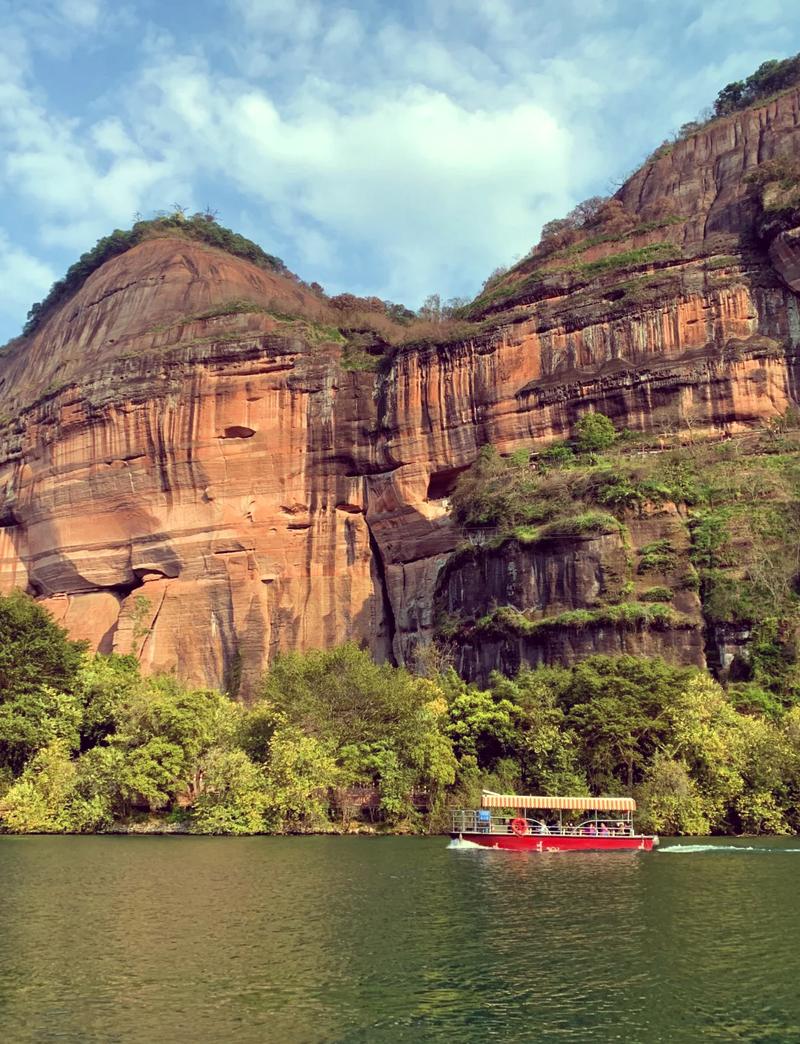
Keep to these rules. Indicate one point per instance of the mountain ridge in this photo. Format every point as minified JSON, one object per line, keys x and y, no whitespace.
{"x":205,"y":462}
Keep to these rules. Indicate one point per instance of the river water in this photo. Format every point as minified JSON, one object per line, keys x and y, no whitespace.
{"x":177,"y":939}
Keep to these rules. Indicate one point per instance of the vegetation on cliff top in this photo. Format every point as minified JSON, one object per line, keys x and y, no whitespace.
{"x":201,"y":227}
{"x":770,"y":78}
{"x":592,"y":222}
{"x":336,"y":742}
{"x":505,"y":620}
{"x":368,"y":327}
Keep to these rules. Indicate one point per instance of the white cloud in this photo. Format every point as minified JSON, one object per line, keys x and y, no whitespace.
{"x":428,"y":188}
{"x":715,"y":16}
{"x":78,"y":180}
{"x":57,"y":28}
{"x":299,"y":19}
{"x":83,"y":13}
{"x":395,"y":149}
{"x":398,"y":150}
{"x":23,"y":278}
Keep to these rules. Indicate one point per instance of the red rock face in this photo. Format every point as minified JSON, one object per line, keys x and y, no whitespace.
{"x":188,"y":475}
{"x":703,"y":179}
{"x":181,"y":498}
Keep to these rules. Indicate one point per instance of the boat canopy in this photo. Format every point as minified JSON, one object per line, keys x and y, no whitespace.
{"x":583,"y":804}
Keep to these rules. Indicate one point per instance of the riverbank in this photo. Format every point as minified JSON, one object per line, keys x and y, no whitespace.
{"x":337,"y":742}
{"x":162,"y":827}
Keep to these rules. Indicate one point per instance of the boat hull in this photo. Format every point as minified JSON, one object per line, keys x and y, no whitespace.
{"x":553,"y":843}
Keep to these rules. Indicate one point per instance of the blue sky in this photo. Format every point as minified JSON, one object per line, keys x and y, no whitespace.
{"x":384,"y":148}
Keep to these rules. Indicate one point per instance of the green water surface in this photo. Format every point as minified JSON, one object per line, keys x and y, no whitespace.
{"x":162,"y":939}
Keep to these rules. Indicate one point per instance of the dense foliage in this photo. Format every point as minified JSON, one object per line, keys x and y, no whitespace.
{"x":768,"y":79}
{"x":86,"y":742}
{"x":334,"y":740}
{"x":38,"y":673}
{"x":519,"y":490}
{"x":776,"y":185}
{"x":731,"y":533}
{"x":201,"y":227}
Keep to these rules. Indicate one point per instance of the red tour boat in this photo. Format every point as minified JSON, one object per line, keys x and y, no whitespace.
{"x":531,"y":823}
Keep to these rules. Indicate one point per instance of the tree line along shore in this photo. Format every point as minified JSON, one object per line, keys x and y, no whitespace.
{"x":335,"y":743}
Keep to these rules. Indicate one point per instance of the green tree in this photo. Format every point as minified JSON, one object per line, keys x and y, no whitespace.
{"x":558,"y":455}
{"x":387,"y":726}
{"x":30,"y":721}
{"x":257,"y":726}
{"x":162,"y":739}
{"x":498,"y":491}
{"x":200,"y":226}
{"x":547,"y":749}
{"x":233,"y":798}
{"x":38,"y":672}
{"x":790,"y":730}
{"x":48,"y":798}
{"x":594,"y":433}
{"x":484,"y":725}
{"x":669,"y":799}
{"x":148,"y":776}
{"x":300,"y":773}
{"x":104,"y":685}
{"x":617,"y":707}
{"x":770,"y":77}
{"x":739,"y":763}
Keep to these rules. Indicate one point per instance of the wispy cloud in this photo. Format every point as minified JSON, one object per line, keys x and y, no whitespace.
{"x":386,"y":148}
{"x":423,"y":185}
{"x":23,"y":279}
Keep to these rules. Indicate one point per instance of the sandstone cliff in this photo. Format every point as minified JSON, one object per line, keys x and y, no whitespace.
{"x":188,"y":471}
{"x":174,"y":482}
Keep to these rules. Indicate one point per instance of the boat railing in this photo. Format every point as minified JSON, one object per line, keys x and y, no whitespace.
{"x":471,"y":821}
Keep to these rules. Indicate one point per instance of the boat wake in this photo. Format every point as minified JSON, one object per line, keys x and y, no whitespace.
{"x":459,"y":842}
{"x":694,"y":849}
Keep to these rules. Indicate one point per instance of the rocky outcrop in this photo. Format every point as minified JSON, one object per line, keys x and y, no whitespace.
{"x":188,"y":472}
{"x":703,"y":179}
{"x":569,"y":643}
{"x":187,"y":498}
{"x":507,"y":602}
{"x":551,"y":576}
{"x":682,"y":322}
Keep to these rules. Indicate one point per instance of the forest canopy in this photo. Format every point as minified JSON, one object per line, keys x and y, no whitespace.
{"x":770,"y":78}
{"x":336,"y":742}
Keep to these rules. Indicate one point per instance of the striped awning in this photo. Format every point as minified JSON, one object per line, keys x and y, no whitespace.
{"x":582,"y":804}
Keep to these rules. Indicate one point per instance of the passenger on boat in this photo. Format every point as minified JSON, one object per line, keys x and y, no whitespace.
{"x":484,"y":820}
{"x":604,"y":830}
{"x":590,"y":829}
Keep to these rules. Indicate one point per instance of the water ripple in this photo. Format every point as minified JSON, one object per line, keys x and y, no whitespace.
{"x":392,"y":939}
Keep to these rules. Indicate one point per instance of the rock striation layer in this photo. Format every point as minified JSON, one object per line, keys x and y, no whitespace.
{"x":189,"y":473}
